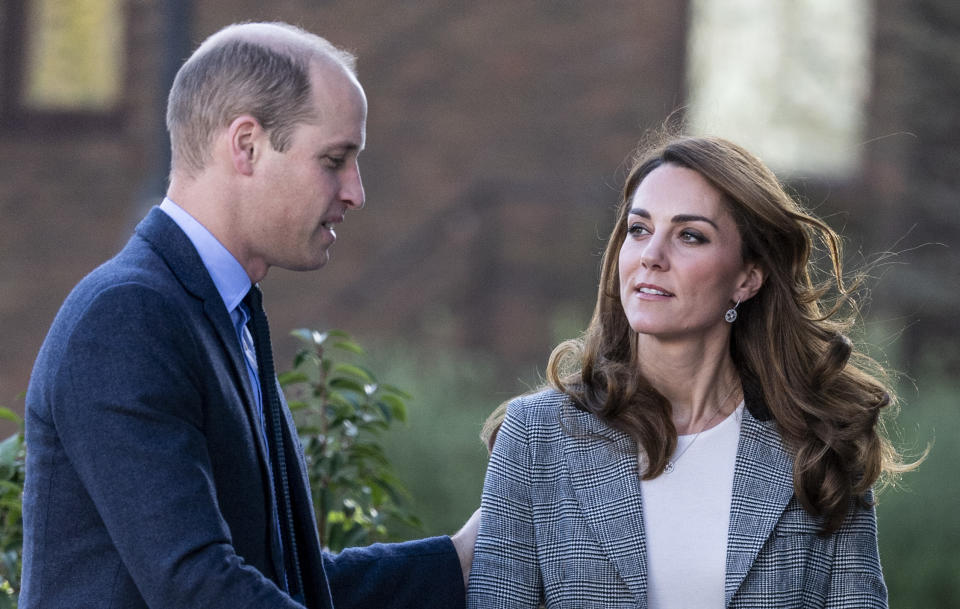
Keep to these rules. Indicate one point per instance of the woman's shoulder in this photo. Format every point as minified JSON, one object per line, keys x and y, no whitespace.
{"x":543,"y":398}
{"x":550,"y":408}
{"x":538,"y":409}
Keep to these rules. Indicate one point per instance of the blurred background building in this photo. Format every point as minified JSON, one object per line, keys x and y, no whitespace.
{"x":499,"y":133}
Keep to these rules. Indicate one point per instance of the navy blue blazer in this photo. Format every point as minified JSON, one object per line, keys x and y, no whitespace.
{"x":146,"y":482}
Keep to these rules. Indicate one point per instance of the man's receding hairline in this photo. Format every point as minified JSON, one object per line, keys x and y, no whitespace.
{"x":278,"y":37}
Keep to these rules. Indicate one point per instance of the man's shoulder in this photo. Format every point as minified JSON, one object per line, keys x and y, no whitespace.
{"x":137,"y":268}
{"x":136,"y":288}
{"x":106,"y":318}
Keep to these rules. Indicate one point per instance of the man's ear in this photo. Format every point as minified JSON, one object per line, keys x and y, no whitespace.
{"x":245,"y":136}
{"x":752,"y":282}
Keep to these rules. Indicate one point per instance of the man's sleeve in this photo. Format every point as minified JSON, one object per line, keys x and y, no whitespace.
{"x":410,"y":575}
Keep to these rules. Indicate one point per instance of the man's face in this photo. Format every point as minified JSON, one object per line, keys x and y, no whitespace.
{"x":303,"y":193}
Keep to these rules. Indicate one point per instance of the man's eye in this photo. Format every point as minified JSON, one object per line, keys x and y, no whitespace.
{"x":334,"y":161}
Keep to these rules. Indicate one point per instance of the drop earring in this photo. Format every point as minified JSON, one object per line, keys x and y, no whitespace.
{"x":731,"y":315}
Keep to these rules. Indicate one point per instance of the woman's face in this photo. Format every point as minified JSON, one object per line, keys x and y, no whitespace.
{"x":680,"y":264}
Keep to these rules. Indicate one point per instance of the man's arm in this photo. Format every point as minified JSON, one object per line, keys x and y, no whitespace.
{"x":409,"y":575}
{"x":127,"y":405}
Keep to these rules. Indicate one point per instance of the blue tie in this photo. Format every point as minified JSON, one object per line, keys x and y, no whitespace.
{"x":274,"y":421}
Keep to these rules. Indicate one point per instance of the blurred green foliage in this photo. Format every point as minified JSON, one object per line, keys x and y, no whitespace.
{"x":919,"y":529}
{"x":438,"y":455}
{"x":12,"y":454}
{"x":341,"y":408}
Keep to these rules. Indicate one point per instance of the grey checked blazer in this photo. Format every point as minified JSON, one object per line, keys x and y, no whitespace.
{"x":562,"y":522}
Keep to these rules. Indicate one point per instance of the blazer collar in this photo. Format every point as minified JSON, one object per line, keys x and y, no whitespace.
{"x":605,"y":477}
{"x":173,"y":245}
{"x":762,"y":487}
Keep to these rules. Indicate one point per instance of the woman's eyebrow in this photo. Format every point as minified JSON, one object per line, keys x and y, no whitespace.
{"x":678,"y":219}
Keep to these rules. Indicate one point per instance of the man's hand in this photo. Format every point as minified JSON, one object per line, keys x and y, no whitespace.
{"x":463,"y":541}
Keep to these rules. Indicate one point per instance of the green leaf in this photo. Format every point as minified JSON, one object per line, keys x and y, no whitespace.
{"x":386,"y":412}
{"x":340,"y":383}
{"x":9,"y":452}
{"x":9,"y":415}
{"x":291,"y":377}
{"x":340,"y":400}
{"x":350,"y":346}
{"x":400,"y":393}
{"x":357,"y":371}
{"x":398,"y":407}
{"x":296,"y":405}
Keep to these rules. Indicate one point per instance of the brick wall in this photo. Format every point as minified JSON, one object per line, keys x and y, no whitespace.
{"x":497,"y":138}
{"x":496,"y":135}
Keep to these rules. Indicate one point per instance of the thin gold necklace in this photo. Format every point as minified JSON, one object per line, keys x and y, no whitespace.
{"x":671,"y":464}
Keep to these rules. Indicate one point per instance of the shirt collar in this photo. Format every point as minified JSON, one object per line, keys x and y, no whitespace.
{"x":229,"y":276}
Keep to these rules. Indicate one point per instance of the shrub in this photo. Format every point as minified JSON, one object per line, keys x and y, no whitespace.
{"x":12,"y":453}
{"x":340,"y":408}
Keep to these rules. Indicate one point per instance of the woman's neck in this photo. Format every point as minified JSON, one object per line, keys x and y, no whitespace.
{"x":700,"y":380}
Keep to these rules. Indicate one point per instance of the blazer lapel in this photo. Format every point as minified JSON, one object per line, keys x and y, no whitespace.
{"x":173,"y":245}
{"x":175,"y":248}
{"x":762,"y":487}
{"x":604,"y":475}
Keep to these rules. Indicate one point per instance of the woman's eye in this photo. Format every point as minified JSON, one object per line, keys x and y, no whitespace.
{"x":637,"y":229}
{"x":689,"y":236}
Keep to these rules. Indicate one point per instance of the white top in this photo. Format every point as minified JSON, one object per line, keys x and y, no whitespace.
{"x":686,"y":514}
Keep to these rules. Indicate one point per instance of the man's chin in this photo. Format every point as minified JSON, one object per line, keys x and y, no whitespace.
{"x":307,"y":264}
{"x":321,"y":261}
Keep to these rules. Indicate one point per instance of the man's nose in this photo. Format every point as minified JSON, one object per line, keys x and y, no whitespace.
{"x":351,"y":191}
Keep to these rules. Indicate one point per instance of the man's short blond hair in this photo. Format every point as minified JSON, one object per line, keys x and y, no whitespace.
{"x":261,"y":69}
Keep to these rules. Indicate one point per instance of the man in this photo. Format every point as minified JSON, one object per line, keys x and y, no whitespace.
{"x":163,"y":468}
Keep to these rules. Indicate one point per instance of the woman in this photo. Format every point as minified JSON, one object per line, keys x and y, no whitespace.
{"x":713,"y":438}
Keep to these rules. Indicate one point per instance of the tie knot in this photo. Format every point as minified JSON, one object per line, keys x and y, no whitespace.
{"x":254,"y":299}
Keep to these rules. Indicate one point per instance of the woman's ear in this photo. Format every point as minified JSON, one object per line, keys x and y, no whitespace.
{"x":751,"y":283}
{"x":245,"y":138}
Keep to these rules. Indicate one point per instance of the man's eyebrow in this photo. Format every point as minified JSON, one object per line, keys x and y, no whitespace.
{"x":345,"y":147}
{"x":678,"y":219}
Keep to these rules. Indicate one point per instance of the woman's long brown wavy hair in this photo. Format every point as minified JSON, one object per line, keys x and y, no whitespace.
{"x":789,"y":342}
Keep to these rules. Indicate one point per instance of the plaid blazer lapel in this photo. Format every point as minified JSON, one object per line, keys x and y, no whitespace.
{"x":603,"y":472}
{"x":762,"y":487}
